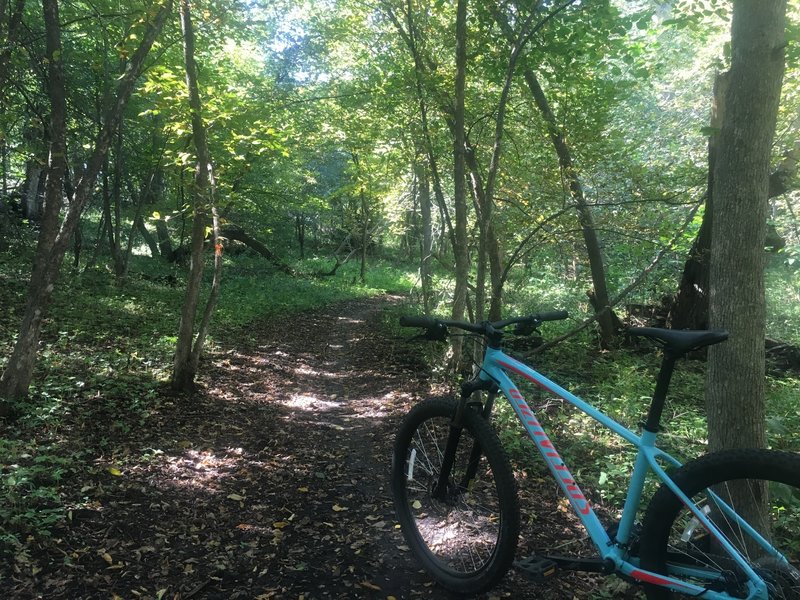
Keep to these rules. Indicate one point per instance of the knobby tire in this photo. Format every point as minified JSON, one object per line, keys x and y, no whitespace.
{"x":670,"y":534}
{"x":467,"y":539}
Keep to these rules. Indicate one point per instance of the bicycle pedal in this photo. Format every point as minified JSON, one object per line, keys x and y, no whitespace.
{"x":536,"y":568}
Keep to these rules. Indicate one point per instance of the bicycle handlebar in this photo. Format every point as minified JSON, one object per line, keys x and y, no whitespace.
{"x":484,"y":328}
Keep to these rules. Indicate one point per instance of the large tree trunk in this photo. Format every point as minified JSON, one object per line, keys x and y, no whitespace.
{"x":735,"y":380}
{"x":690,"y":309}
{"x":54,"y":239}
{"x":188,"y":352}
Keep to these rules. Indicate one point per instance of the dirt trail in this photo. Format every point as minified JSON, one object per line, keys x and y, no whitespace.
{"x":269,"y":483}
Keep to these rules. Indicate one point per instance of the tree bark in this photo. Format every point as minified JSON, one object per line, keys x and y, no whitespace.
{"x":426,"y":239}
{"x":155,"y":251}
{"x":17,"y":376}
{"x":460,"y":249}
{"x":586,"y":218}
{"x":189,"y":348}
{"x":735,"y":379}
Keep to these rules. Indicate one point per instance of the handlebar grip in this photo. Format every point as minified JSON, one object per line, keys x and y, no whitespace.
{"x":553,"y":315}
{"x":414,"y":321}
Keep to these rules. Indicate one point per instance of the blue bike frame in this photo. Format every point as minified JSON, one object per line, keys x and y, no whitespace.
{"x":497,"y":364}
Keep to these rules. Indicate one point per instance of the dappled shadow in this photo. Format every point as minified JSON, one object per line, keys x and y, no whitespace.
{"x":270,"y":482}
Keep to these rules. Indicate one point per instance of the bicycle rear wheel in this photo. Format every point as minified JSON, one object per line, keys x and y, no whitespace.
{"x":763,"y":487}
{"x":467,"y":537}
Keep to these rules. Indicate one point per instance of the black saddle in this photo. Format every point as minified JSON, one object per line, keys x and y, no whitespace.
{"x":680,"y":341}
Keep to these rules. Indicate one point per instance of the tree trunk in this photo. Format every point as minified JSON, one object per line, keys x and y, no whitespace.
{"x":690,"y":309}
{"x":460,"y":249}
{"x":54,"y":239}
{"x":155,"y":251}
{"x":187,"y":352}
{"x":426,"y":241}
{"x":33,"y":173}
{"x":117,"y":255}
{"x":735,"y":379}
{"x":165,"y":248}
{"x":585,"y":217}
{"x":300,"y":231}
{"x":364,"y":235}
{"x":17,"y":376}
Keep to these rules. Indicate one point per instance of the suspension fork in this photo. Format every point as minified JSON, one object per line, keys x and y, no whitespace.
{"x":475,"y":455}
{"x":454,"y":437}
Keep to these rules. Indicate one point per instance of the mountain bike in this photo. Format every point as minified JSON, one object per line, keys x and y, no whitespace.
{"x":722,"y":526}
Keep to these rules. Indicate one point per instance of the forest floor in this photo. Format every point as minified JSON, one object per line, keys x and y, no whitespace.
{"x":271,"y":481}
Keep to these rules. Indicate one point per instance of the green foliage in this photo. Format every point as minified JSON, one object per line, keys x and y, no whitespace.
{"x":29,"y":487}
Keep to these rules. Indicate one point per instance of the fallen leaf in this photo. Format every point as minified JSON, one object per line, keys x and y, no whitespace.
{"x":280,"y":524}
{"x":371,"y":586}
{"x":235,"y":497}
{"x":302,"y":490}
{"x":114,"y":471}
{"x":416,"y":504}
{"x":338,"y":508}
{"x":107,"y":557}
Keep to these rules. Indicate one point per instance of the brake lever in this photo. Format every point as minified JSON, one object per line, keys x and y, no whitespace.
{"x":526,"y":328}
{"x":437,"y":333}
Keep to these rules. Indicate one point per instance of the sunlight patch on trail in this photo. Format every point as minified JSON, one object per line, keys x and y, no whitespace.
{"x":204,"y":469}
{"x":309,"y":402}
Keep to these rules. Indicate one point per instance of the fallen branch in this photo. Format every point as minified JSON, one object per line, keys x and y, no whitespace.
{"x":234,"y":232}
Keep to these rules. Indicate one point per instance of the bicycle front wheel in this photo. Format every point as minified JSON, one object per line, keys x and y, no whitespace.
{"x":465,"y":535}
{"x":763,"y":488}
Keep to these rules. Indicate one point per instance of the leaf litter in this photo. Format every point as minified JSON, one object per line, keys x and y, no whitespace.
{"x":271,"y":481}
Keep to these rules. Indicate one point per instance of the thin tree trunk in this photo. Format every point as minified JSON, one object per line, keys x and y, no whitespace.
{"x":735,"y":377}
{"x":588,"y":228}
{"x":460,"y":249}
{"x":411,"y":37}
{"x":8,"y":36}
{"x":585,"y":216}
{"x":54,"y":239}
{"x":17,"y":376}
{"x":364,"y":235}
{"x":426,"y":243}
{"x":187,"y":353}
{"x":116,"y":194}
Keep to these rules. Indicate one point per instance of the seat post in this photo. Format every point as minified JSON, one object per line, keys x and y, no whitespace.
{"x":660,"y":394}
